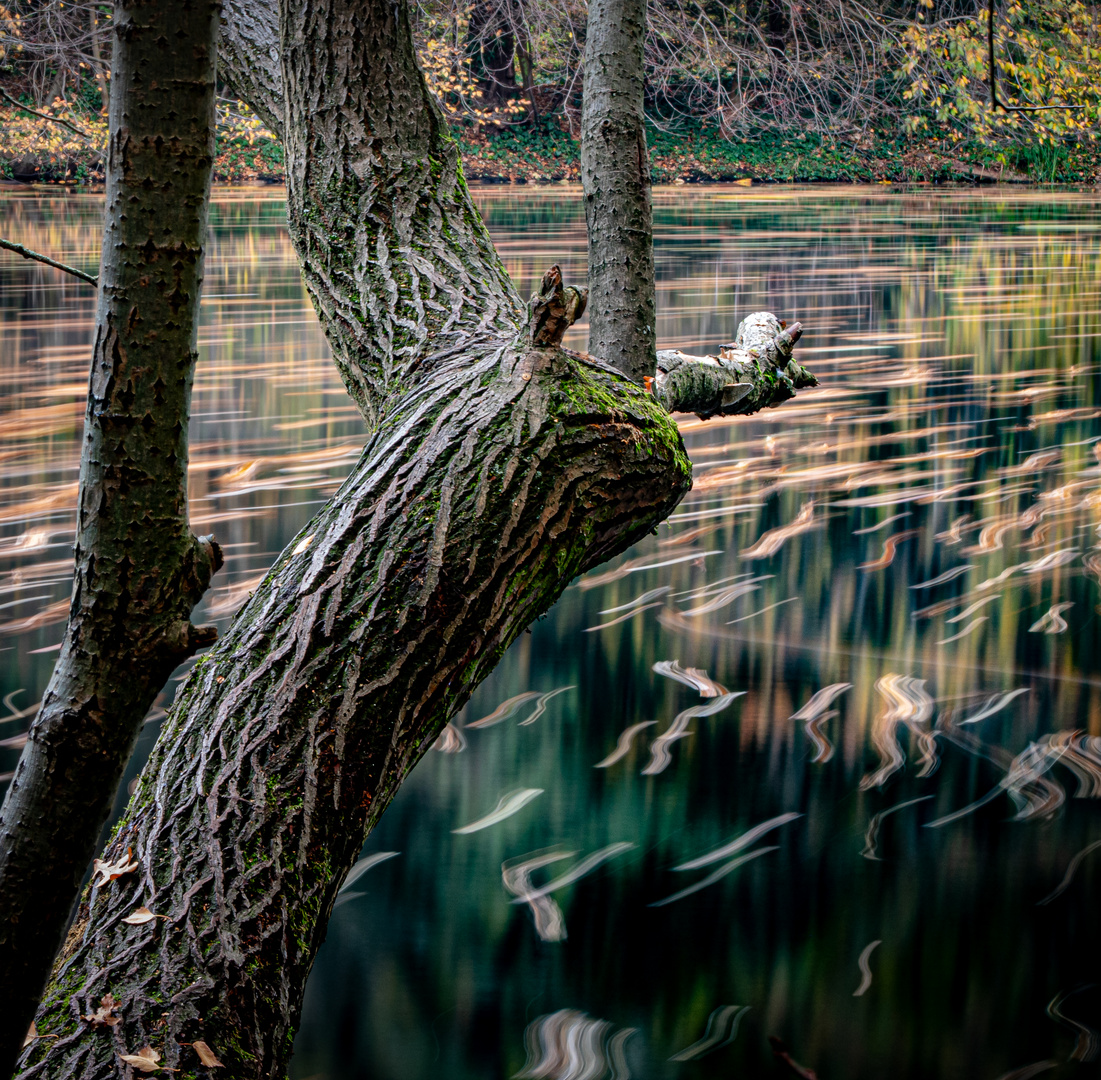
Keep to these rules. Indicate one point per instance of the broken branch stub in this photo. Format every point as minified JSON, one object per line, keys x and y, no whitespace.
{"x":554,"y":309}
{"x":756,"y":371}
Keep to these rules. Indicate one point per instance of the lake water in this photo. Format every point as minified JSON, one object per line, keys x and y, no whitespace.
{"x":916,"y":542}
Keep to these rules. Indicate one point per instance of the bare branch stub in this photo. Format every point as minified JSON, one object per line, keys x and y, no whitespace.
{"x":554,"y":309}
{"x":757,"y":370}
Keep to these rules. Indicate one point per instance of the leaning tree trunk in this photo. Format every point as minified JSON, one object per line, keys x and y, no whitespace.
{"x":139,"y":570}
{"x":615,"y":175}
{"x":498,"y":467}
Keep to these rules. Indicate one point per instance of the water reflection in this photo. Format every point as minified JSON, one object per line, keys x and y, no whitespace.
{"x":888,"y":588}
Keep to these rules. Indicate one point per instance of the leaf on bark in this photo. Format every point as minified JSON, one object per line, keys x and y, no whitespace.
{"x":107,"y":1013}
{"x":206,"y":1055}
{"x":140,"y":916}
{"x":32,"y":1035}
{"x":104,"y":871}
{"x":145,"y":1060}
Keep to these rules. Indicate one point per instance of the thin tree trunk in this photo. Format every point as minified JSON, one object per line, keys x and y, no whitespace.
{"x":779,"y":22}
{"x":139,"y":570}
{"x":103,"y":81}
{"x":615,"y":175}
{"x":498,"y":467}
{"x":527,"y":70}
{"x":491,"y":48}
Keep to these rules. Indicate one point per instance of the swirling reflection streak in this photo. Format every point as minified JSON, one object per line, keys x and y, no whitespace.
{"x":568,"y":1045}
{"x":716,"y":875}
{"x":907,"y":702}
{"x":550,"y":924}
{"x":507,"y":805}
{"x":659,"y":753}
{"x":692,"y":677}
{"x":871,"y":837}
{"x":506,"y":709}
{"x":747,"y":839}
{"x":623,"y":745}
{"x":721,"y":1018}
{"x":865,"y":968}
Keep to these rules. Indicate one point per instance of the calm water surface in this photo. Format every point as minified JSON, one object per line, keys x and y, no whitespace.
{"x":919,"y":534}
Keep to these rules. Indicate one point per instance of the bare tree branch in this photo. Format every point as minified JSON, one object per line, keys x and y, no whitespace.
{"x":45,"y":116}
{"x":19,"y":249}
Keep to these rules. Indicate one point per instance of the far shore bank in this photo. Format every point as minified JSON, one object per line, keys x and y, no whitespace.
{"x":549,"y":155}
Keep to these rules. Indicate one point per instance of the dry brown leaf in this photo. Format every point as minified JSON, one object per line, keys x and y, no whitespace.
{"x":206,"y":1055}
{"x":140,"y":916}
{"x":145,"y":1060}
{"x":32,"y":1035}
{"x":105,"y":1015}
{"x":110,"y":871}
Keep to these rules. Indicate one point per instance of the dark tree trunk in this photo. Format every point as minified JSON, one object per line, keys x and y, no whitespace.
{"x":526,"y":56}
{"x":615,"y":174}
{"x":498,"y":467}
{"x":139,"y":570}
{"x":779,"y":21}
{"x":102,"y":79}
{"x":491,"y":48}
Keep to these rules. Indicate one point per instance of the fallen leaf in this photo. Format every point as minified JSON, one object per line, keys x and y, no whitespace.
{"x":145,"y":1060}
{"x":140,"y":916}
{"x":105,"y":1015}
{"x":206,"y":1055}
{"x":110,"y":871}
{"x":32,"y":1034}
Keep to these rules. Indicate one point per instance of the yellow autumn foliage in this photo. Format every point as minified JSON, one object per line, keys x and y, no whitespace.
{"x":1047,"y":53}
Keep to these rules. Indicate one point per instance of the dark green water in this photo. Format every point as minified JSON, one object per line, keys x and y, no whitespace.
{"x":956,"y":336}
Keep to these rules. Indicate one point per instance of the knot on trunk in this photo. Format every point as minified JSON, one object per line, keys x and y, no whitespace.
{"x":553,"y":309}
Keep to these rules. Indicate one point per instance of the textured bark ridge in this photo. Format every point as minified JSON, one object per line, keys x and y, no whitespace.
{"x":139,"y":570}
{"x":496,"y":481}
{"x":498,"y":467}
{"x":615,"y":174}
{"x":395,"y":256}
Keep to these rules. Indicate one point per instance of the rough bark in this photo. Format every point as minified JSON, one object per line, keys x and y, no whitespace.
{"x":615,"y":175}
{"x":498,"y":467}
{"x":139,"y":570}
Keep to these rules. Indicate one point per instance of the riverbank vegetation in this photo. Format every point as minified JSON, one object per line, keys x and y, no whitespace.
{"x":751,"y":90}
